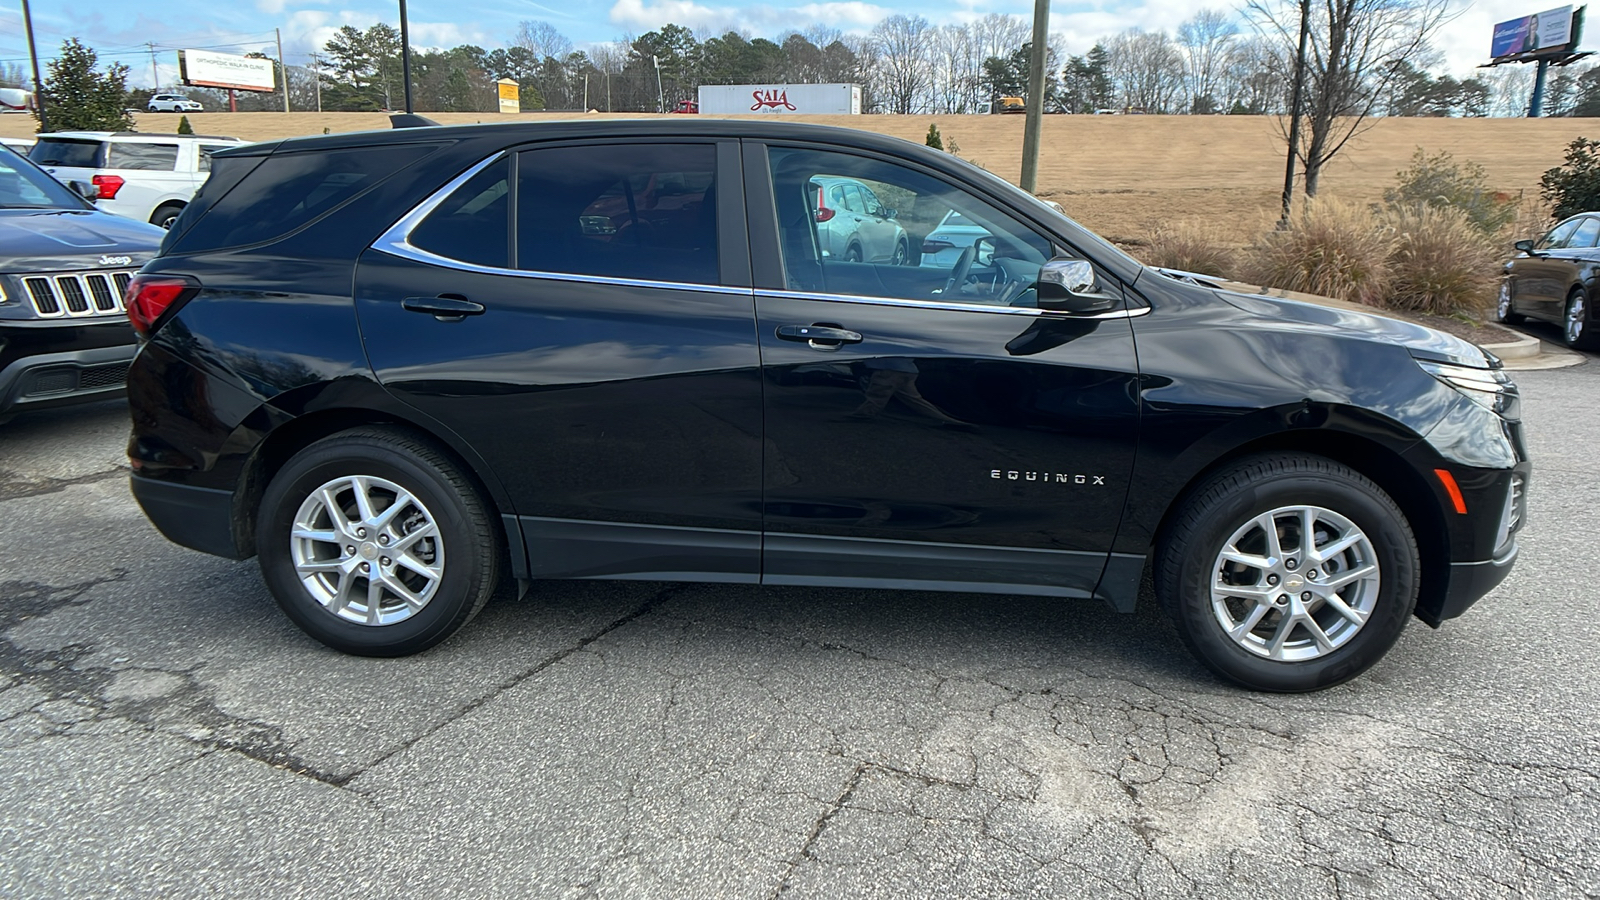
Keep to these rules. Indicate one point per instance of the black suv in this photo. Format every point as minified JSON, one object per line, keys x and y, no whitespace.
{"x":405,"y":367}
{"x":64,"y":265}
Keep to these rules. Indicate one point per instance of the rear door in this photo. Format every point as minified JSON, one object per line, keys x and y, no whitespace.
{"x":581,"y":315}
{"x":151,"y":176}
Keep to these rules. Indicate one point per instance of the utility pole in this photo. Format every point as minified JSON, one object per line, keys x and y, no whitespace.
{"x":1035,"y":112}
{"x":405,"y":54}
{"x":661,"y":95}
{"x":1294,"y":112}
{"x":316,"y":75}
{"x":282,"y":69}
{"x":586,"y":92}
{"x":33,"y":55}
{"x":155,"y":75}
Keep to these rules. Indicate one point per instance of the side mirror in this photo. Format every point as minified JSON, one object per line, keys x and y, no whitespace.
{"x":89,"y":192}
{"x":1525,"y":247}
{"x":884,"y":212}
{"x":1070,"y":285}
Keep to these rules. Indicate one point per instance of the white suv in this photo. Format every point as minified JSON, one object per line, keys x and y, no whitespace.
{"x":173,"y":103}
{"x":149,"y":177}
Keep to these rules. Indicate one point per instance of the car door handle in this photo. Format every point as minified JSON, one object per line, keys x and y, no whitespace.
{"x":820,"y":337}
{"x":445,"y":308}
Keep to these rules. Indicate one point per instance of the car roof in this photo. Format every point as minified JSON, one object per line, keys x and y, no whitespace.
{"x":135,"y":135}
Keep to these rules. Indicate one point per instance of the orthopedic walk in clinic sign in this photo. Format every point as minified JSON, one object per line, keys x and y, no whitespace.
{"x":202,"y":68}
{"x":1549,"y":30}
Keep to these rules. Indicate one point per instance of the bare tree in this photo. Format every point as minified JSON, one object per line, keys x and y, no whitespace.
{"x":1353,"y":51}
{"x":542,"y":40}
{"x":903,"y":43}
{"x":1510,"y":87}
{"x":1146,"y":69}
{"x":1206,"y":39}
{"x":1255,"y":80}
{"x":998,"y":35}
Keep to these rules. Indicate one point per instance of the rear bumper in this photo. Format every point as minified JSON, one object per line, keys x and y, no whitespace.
{"x":195,"y":517}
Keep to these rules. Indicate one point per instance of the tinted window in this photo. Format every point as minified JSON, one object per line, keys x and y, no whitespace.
{"x":1583,"y":238}
{"x":22,"y":185}
{"x":148,"y":157}
{"x":625,"y":211}
{"x":852,"y":199}
{"x":287,"y":191}
{"x":472,"y":225}
{"x":1559,"y":235}
{"x":72,"y":154}
{"x":205,"y":154}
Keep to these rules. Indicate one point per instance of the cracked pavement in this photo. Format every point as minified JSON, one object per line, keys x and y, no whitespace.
{"x":165,"y":731}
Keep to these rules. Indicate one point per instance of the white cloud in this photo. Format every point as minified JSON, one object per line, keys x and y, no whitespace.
{"x":758,"y":19}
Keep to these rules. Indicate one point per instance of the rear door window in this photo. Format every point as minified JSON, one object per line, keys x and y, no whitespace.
{"x":145,"y":157}
{"x":638,"y":211}
{"x":70,"y":154}
{"x":1584,"y":237}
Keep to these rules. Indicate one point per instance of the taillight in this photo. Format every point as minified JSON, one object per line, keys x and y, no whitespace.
{"x":932,"y":246}
{"x":823,"y":212}
{"x":108,"y":185}
{"x":150,"y":296}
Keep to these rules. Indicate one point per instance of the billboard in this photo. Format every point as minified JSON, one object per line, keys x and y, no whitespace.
{"x":1546,"y":31}
{"x":202,"y":68}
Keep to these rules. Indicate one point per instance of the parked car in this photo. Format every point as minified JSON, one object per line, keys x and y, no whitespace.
{"x":20,"y":145}
{"x":945,"y":243}
{"x":177,"y":103}
{"x":854,"y":225}
{"x":404,"y":367}
{"x":1555,"y":279}
{"x":64,"y":336}
{"x":149,"y":177}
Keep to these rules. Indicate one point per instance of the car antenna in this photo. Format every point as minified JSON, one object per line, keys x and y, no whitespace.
{"x":410,"y":120}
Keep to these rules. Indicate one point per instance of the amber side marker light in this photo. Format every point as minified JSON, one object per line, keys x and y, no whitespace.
{"x":1450,"y":486}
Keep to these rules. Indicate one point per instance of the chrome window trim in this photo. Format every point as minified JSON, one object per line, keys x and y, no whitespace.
{"x":957,"y":307}
{"x":397,"y":242}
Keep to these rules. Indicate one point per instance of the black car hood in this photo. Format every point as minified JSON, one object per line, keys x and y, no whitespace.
{"x":53,"y":240}
{"x":1423,"y":342}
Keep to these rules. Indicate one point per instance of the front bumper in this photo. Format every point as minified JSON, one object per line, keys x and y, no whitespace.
{"x":41,"y":367}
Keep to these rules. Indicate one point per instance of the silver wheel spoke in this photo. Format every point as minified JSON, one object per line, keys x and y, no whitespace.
{"x":374,"y":600}
{"x":330,"y":567}
{"x":406,"y":542}
{"x":383,"y":519}
{"x":363,"y":500}
{"x":1247,"y":559}
{"x":1275,"y":646}
{"x":1339,"y":606}
{"x":335,"y":513}
{"x":418,"y":566}
{"x":1269,"y":524}
{"x":400,"y":590}
{"x":1308,"y":535}
{"x":1317,"y":634}
{"x":1337,"y":547}
{"x":1344,"y":578}
{"x":307,"y":534}
{"x":1251,"y":621}
{"x":340,"y":601}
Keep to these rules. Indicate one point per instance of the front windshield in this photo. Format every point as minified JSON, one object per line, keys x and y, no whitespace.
{"x":25,"y":186}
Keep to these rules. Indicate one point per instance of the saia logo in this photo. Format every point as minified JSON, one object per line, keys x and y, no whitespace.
{"x":770,"y":99}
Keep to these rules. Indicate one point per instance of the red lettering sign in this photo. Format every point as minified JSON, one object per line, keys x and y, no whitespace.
{"x":770,"y":100}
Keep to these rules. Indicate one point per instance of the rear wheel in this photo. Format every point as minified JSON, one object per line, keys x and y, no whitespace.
{"x":853,"y":253}
{"x":165,"y":215}
{"x":376,"y":544}
{"x":1503,"y":311}
{"x":1289,"y":572}
{"x":1575,"y":328}
{"x":901,"y":254}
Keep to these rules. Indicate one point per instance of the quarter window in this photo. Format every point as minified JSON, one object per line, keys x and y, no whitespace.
{"x":146,"y":157}
{"x":472,"y":223}
{"x":645,"y":211}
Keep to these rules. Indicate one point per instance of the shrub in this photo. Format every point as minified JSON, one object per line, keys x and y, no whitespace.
{"x":1334,"y":249}
{"x":1440,"y":182}
{"x":1575,"y":186}
{"x":1441,"y":263}
{"x":184,"y":127}
{"x":1190,"y":248}
{"x":934,"y":140}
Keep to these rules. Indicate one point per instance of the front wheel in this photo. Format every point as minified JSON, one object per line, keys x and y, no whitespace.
{"x":1575,"y":328}
{"x":901,"y":254}
{"x":376,"y":544}
{"x":1503,"y":311}
{"x":1289,"y":572}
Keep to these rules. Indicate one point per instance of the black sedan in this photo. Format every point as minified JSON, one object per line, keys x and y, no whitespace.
{"x":406,"y":368}
{"x":1555,"y":279}
{"x":64,"y":337}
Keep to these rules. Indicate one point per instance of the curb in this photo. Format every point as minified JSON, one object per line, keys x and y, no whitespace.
{"x":1524,"y":347}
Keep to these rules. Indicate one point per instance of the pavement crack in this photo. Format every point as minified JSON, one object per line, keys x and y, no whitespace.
{"x":16,"y":486}
{"x":821,"y":825}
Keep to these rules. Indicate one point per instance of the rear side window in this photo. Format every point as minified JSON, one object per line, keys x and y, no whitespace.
{"x":71,"y":154}
{"x":147,"y":157}
{"x":287,"y":191}
{"x":1584,"y":237}
{"x":645,"y":211}
{"x":473,"y":224}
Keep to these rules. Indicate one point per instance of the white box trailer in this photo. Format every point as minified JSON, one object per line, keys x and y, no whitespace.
{"x":781,"y":99}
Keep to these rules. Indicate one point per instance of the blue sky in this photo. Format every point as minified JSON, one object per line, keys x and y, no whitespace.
{"x":119,"y":29}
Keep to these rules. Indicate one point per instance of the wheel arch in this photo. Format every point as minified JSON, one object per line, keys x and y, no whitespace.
{"x":282,"y":443}
{"x":1372,"y":459}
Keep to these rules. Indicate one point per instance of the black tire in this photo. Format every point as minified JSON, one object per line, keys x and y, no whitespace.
{"x":1189,"y":559}
{"x":466,"y":548}
{"x":852,"y":253}
{"x":1576,"y":328}
{"x":902,"y":254}
{"x":165,"y":215}
{"x":1504,"y":311}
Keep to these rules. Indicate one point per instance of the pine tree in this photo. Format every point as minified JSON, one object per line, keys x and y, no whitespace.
{"x":184,"y":127}
{"x":80,"y":98}
{"x":934,"y":140}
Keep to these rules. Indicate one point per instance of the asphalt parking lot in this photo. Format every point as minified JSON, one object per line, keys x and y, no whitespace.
{"x":165,"y":731}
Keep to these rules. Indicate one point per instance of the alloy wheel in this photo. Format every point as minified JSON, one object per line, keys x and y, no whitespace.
{"x":1575,"y":319}
{"x":367,"y":550}
{"x":1295,"y":583}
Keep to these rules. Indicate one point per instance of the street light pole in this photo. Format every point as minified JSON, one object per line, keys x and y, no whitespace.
{"x":405,"y":54}
{"x":33,"y":55}
{"x":1035,"y":110}
{"x":661,"y":95}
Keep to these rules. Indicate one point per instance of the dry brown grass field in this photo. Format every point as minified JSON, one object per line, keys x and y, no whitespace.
{"x":1119,"y":175}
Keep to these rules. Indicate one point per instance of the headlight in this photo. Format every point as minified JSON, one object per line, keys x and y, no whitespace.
{"x":1490,"y":388}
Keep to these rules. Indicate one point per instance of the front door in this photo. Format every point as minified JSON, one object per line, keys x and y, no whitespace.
{"x":929,"y":427}
{"x":603,"y":362}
